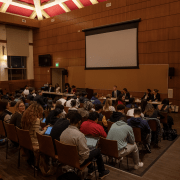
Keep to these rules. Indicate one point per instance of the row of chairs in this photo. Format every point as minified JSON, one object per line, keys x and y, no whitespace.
{"x":67,"y":154}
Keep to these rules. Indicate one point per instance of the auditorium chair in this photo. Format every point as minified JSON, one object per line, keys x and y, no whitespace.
{"x":42,"y":124}
{"x":25,"y":142}
{"x":11,"y":134}
{"x":66,"y":109}
{"x":109,"y":125}
{"x":68,"y":155}
{"x":126,"y":110}
{"x":107,"y":114}
{"x":164,"y":120}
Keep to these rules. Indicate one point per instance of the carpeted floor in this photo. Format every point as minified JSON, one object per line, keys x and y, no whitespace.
{"x":147,"y":158}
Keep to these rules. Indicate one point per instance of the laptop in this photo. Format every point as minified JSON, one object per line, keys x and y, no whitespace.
{"x":48,"y":131}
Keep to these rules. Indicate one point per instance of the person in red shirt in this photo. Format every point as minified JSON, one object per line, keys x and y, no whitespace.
{"x":121,"y":99}
{"x":90,"y":127}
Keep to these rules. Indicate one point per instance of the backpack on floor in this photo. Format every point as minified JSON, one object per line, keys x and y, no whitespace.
{"x":69,"y":176}
{"x":170,"y":134}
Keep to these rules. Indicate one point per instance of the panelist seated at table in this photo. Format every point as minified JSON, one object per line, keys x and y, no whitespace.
{"x":156,"y":95}
{"x":115,"y":92}
{"x":147,"y":95}
{"x":50,"y":88}
{"x":57,"y":88}
{"x":126,"y":93}
{"x":67,"y":88}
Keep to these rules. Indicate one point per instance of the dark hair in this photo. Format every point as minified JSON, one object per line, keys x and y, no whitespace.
{"x":18,"y":95}
{"x":39,"y":91}
{"x":93,"y":116}
{"x":137,"y":111}
{"x":125,"y":89}
{"x":98,"y":107}
{"x":50,"y":84}
{"x":3,"y":104}
{"x":67,"y":84}
{"x":57,"y":111}
{"x":149,"y":90}
{"x":59,"y":106}
{"x":77,"y":94}
{"x":143,"y":104}
{"x":120,"y":107}
{"x":156,"y":90}
{"x":31,"y":90}
{"x":74,"y":117}
{"x":115,"y":86}
{"x":84,"y":93}
{"x":132,"y":102}
{"x":94,"y":94}
{"x":73,"y":103}
{"x":165,"y":103}
{"x":73,"y":86}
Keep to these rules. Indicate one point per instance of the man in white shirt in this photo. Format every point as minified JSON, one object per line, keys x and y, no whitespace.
{"x":68,"y":103}
{"x":63,"y":99}
{"x":26,"y":91}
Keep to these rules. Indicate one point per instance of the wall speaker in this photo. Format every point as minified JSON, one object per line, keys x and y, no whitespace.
{"x":171,"y":72}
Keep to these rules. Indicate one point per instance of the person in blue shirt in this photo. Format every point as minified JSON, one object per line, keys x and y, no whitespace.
{"x":138,"y":122}
{"x":95,"y":99}
{"x":131,"y":103}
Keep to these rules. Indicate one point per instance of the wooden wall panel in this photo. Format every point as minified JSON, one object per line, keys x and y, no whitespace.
{"x":158,"y":41}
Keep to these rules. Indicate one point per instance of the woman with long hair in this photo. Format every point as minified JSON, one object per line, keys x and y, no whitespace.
{"x":17,"y":116}
{"x":5,"y":114}
{"x":108,"y":106}
{"x":121,"y":99}
{"x":57,"y":88}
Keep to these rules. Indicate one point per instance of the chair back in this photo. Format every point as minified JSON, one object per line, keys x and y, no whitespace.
{"x":109,"y":125}
{"x":2,"y":129}
{"x":46,"y":145}
{"x":66,"y":109}
{"x":128,"y":117}
{"x":126,"y":110}
{"x":108,"y":147}
{"x":100,"y":123}
{"x":46,"y":113}
{"x":84,"y":119}
{"x":152,"y":125}
{"x":42,"y":124}
{"x":107,"y":114}
{"x":137,"y":134}
{"x":24,"y":138}
{"x":165,"y":117}
{"x":11,"y":132}
{"x":12,"y":109}
{"x":67,"y":154}
{"x":81,"y":105}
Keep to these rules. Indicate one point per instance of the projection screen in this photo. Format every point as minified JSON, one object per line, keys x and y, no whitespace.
{"x":113,"y":46}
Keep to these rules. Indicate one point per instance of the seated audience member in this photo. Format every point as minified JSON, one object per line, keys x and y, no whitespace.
{"x":119,"y":115}
{"x":123,"y":134}
{"x":17,"y":116}
{"x":1,"y":91}
{"x":51,"y":115}
{"x":63,"y":99}
{"x":156,"y":95}
{"x":60,"y":106}
{"x":56,"y":116}
{"x":108,"y":106}
{"x":50,"y":88}
{"x":39,"y":99}
{"x":31,"y":121}
{"x":12,"y":103}
{"x":143,"y":105}
{"x":67,"y":88}
{"x":165,"y":107}
{"x":132,"y":103}
{"x":57,"y":88}
{"x":5,"y":114}
{"x":90,"y":127}
{"x":73,"y":89}
{"x":26,"y":91}
{"x":102,"y":118}
{"x":83,"y":97}
{"x":18,"y":97}
{"x":73,"y":106}
{"x":147,"y":95}
{"x":126,"y":93}
{"x":77,"y":95}
{"x":68,"y":103}
{"x":121,"y":100}
{"x":95,"y":99}
{"x":115,"y":92}
{"x":60,"y":125}
{"x":84,"y":112}
{"x":30,"y":95}
{"x":108,"y":96}
{"x":136,"y":121}
{"x":73,"y":136}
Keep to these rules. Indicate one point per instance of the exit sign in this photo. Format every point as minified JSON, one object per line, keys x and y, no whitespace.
{"x":57,"y":65}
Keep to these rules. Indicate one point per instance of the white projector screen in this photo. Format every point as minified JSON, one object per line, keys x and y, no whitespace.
{"x":112,"y":46}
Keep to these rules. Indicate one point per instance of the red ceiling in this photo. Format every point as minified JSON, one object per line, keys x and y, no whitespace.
{"x":51,"y":11}
{"x":19,"y":11}
{"x":27,"y":1}
{"x":1,"y":4}
{"x":86,"y":2}
{"x":54,"y":10}
{"x":71,"y":5}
